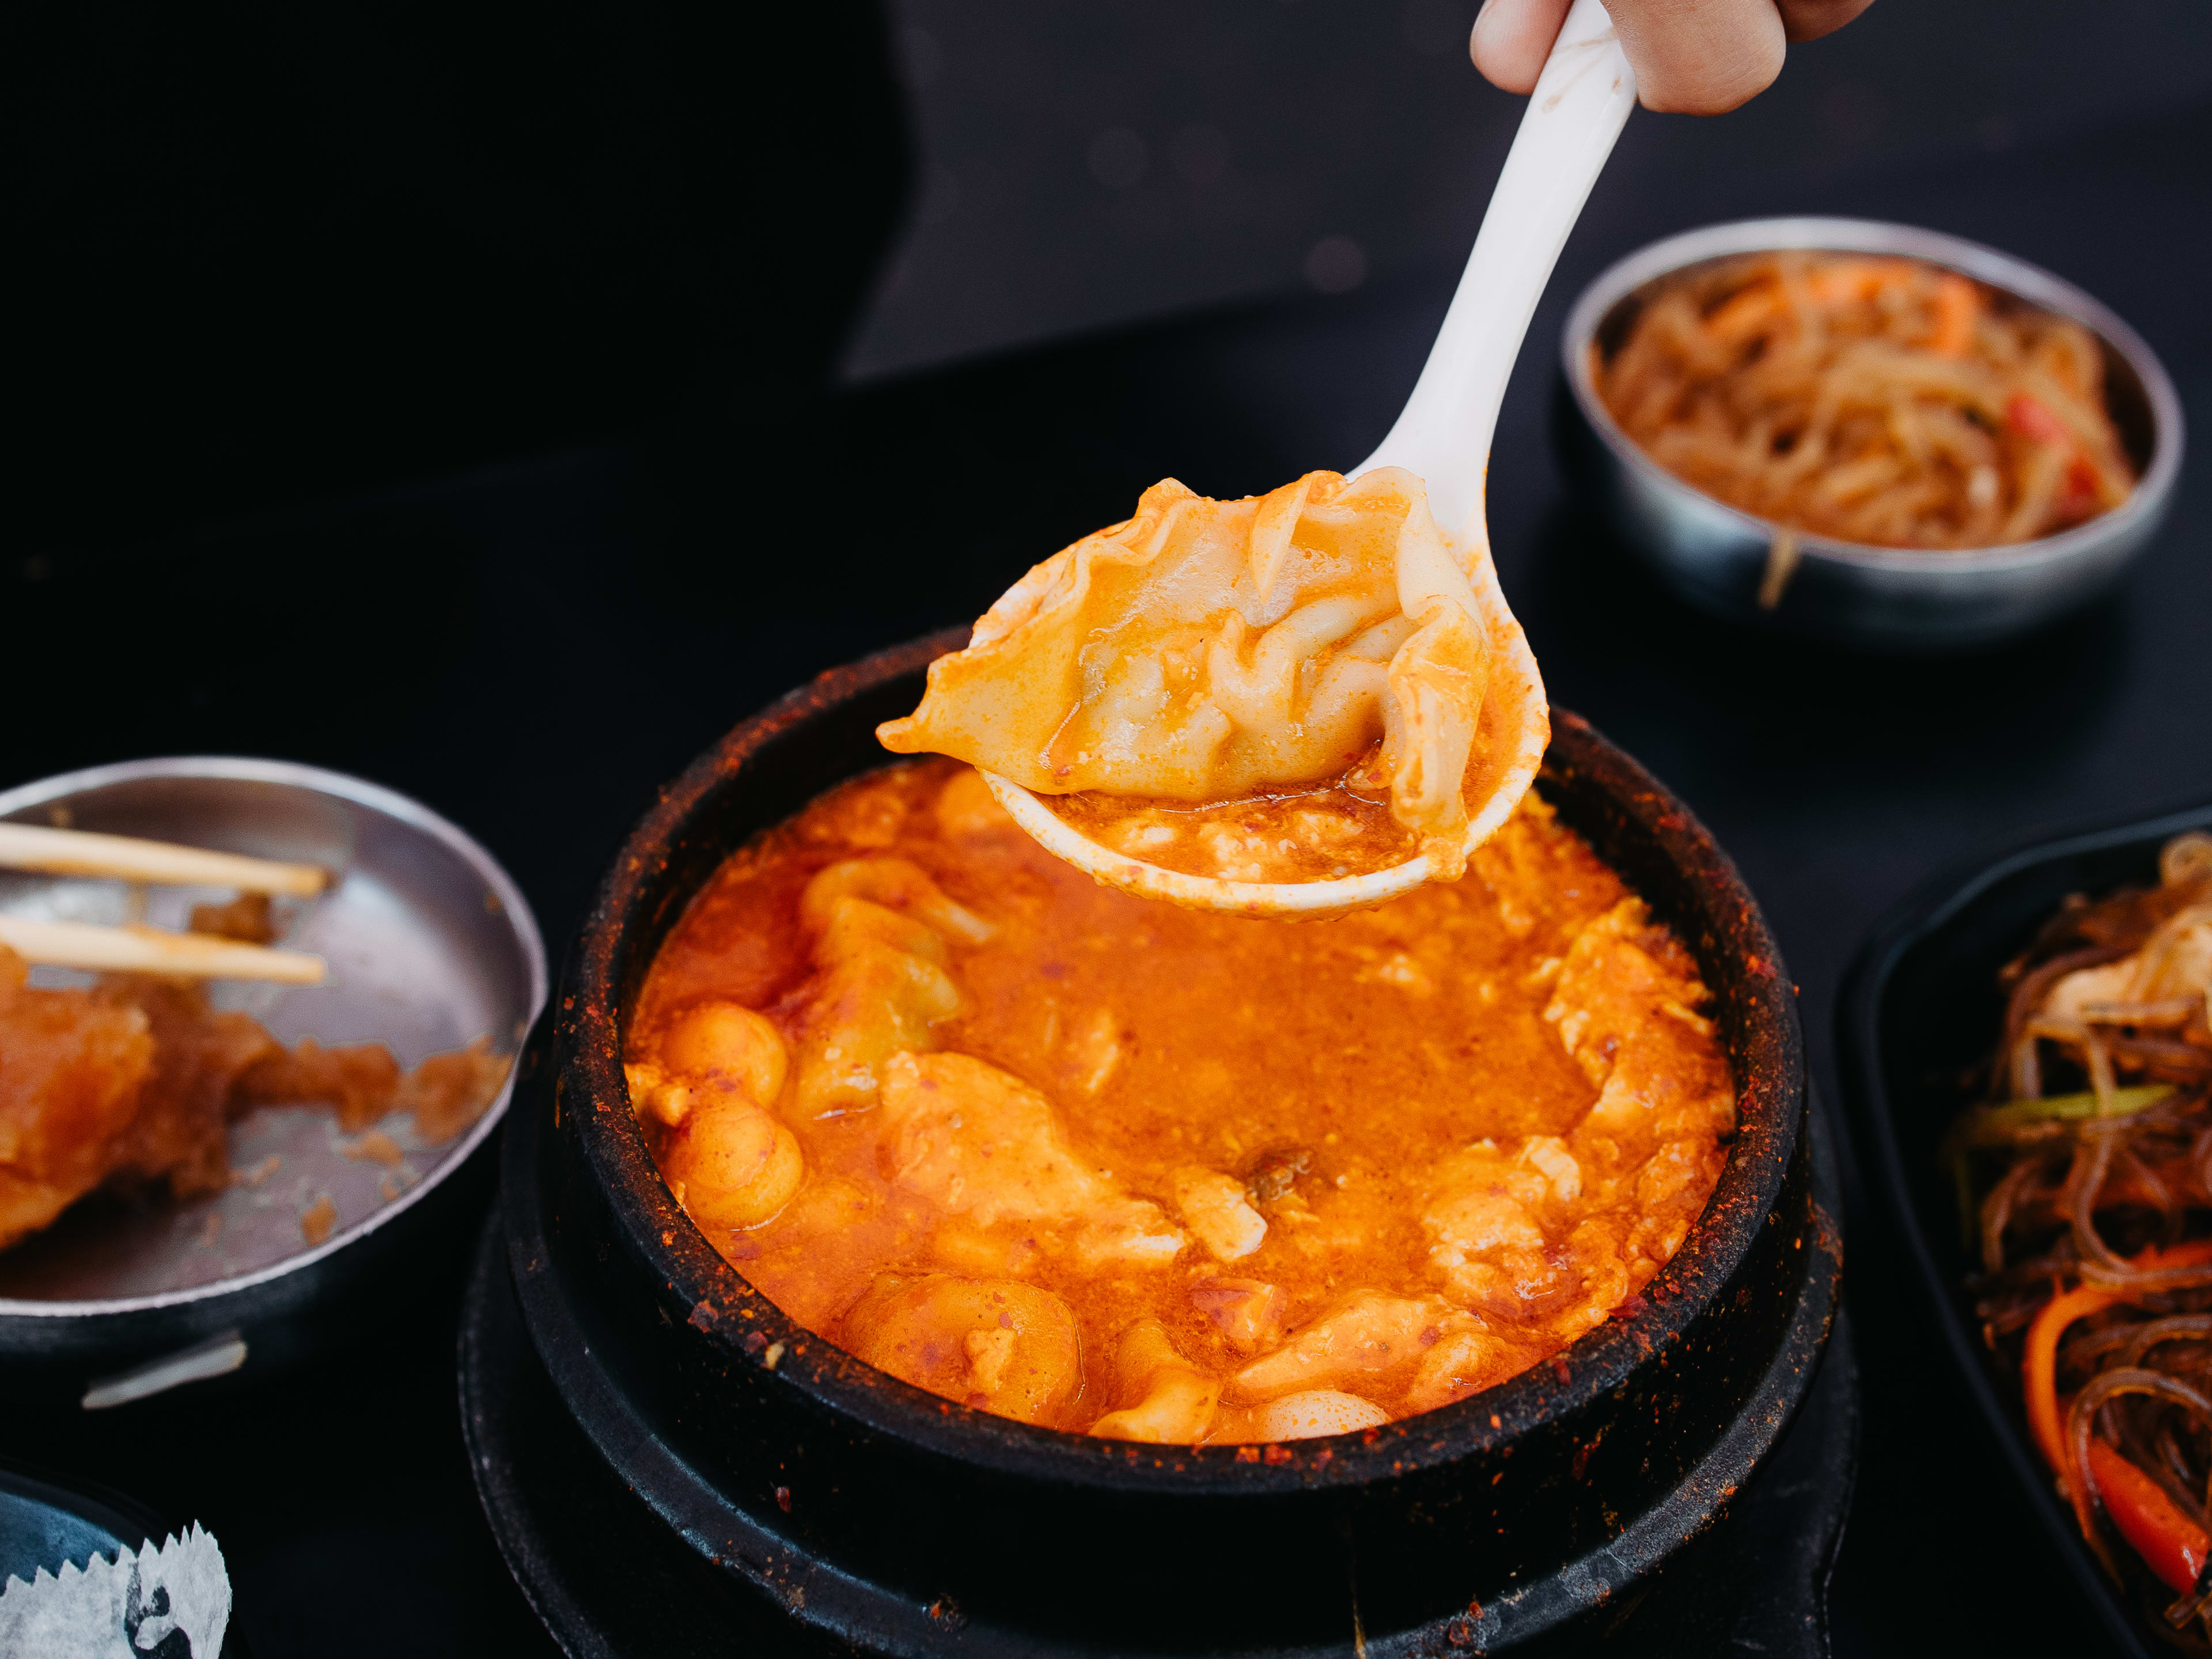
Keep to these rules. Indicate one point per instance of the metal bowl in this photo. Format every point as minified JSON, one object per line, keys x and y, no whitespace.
{"x":430,"y":945}
{"x":840,"y":1508}
{"x":1889,"y":599}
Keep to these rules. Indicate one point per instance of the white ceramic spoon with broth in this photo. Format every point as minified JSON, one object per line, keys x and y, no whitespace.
{"x":1581,"y":102}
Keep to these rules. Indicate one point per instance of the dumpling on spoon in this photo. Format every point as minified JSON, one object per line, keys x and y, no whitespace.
{"x":1299,"y":702}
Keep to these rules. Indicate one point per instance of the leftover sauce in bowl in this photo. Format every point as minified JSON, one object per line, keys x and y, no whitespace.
{"x":1106,"y":1165}
{"x":1319,"y":834}
{"x":131,"y":1084}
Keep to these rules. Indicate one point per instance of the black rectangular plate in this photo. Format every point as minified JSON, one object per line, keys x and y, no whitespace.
{"x":1919,"y":1005}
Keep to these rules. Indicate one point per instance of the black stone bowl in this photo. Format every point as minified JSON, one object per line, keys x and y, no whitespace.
{"x":850,"y":1511}
{"x":1921,"y":1005}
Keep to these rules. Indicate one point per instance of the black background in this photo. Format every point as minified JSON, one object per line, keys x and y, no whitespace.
{"x":455,"y":403}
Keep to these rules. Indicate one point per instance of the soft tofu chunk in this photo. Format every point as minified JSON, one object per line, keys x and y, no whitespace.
{"x":1247,"y":1312}
{"x":1169,"y":1400}
{"x":977,"y":1142}
{"x":1364,"y":1334}
{"x":1306,"y":1415}
{"x":1219,"y":1216}
{"x":1623,"y":1009}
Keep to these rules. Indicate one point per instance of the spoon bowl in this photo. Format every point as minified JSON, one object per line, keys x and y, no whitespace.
{"x":1513,"y":730}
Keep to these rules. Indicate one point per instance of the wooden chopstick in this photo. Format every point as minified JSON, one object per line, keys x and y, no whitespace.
{"x":150,"y":950}
{"x":126,"y":858}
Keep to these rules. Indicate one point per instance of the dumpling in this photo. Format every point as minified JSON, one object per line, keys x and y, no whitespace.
{"x":1206,"y":651}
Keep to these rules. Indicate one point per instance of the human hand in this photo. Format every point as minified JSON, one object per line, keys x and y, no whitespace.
{"x":1691,"y":56}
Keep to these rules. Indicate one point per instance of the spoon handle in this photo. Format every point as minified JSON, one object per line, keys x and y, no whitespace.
{"x":1581,"y":102}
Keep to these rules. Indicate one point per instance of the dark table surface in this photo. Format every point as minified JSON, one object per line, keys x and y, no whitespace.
{"x":532,"y":650}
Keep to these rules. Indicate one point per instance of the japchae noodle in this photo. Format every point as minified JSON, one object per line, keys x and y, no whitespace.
{"x":2087,"y":1180}
{"x":1875,"y":400}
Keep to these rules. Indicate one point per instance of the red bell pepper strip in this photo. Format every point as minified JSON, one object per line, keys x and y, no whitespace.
{"x":2030,"y":417}
{"x":2172,"y":1545}
{"x":2046,"y":1421}
{"x":2038,"y":1367}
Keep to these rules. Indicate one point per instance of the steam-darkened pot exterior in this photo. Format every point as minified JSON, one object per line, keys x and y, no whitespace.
{"x":873,"y":1515}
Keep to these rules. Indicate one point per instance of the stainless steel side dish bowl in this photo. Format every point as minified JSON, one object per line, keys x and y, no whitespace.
{"x":1753,"y":570}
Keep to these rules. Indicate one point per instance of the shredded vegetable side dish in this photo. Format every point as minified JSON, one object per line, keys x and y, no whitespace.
{"x":1875,"y":400}
{"x":2088,"y":1180}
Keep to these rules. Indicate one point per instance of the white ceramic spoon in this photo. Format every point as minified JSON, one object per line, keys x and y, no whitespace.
{"x":1581,"y":102}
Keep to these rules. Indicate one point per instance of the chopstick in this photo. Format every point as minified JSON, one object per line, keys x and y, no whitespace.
{"x":126,"y":858}
{"x":150,"y":950}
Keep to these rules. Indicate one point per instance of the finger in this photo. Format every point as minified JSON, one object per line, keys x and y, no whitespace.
{"x":1808,"y":20}
{"x":1699,"y":57}
{"x":1512,"y":39}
